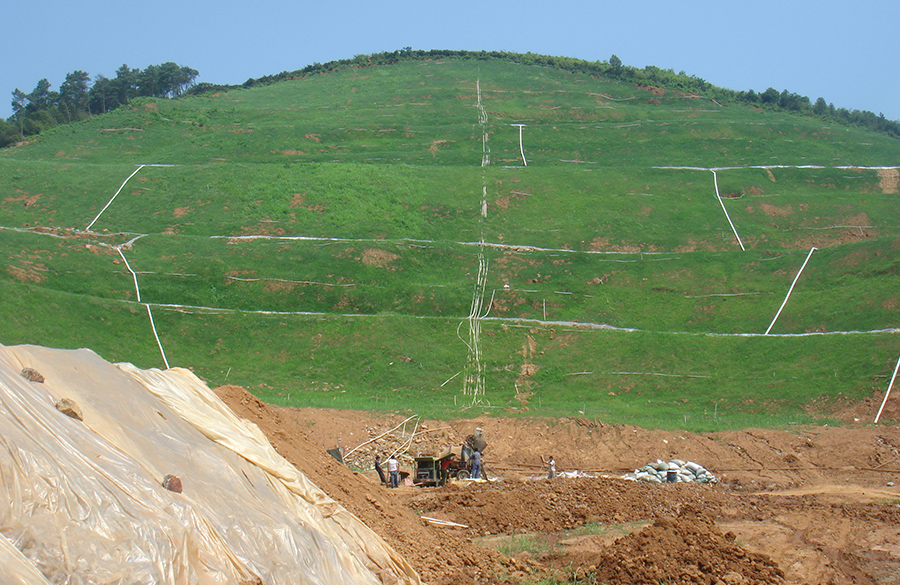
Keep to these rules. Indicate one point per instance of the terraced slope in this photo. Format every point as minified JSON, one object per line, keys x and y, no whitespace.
{"x":380,"y":238}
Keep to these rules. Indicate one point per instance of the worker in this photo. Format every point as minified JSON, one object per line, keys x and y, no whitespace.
{"x":476,"y":464}
{"x":551,"y":467}
{"x":379,"y":470}
{"x":394,"y":471}
{"x":445,"y":470}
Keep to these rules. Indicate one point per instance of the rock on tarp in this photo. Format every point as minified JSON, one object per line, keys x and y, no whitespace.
{"x":85,"y":503}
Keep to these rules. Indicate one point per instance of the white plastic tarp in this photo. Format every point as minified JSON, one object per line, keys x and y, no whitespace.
{"x":84,"y":501}
{"x":17,"y":570}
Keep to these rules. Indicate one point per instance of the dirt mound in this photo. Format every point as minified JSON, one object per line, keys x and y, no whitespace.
{"x":562,"y":504}
{"x":687,"y":549}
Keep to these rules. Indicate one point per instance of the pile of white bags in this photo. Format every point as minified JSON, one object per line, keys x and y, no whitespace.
{"x":675,"y":471}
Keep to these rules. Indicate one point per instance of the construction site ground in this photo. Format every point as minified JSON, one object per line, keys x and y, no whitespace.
{"x":804,"y":505}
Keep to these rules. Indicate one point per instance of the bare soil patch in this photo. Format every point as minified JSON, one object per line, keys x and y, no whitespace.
{"x":775,"y":210}
{"x":657,"y":91}
{"x":28,"y":273}
{"x":889,"y":181}
{"x":504,"y":203}
{"x":435,"y":146}
{"x":376,"y":257}
{"x":813,"y":505}
{"x":26,"y":199}
{"x":600,"y":244}
{"x":279,"y":286}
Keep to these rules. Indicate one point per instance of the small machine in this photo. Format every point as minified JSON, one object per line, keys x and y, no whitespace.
{"x":456,"y":462}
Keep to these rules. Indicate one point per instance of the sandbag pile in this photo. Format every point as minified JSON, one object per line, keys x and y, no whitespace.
{"x":674,"y":471}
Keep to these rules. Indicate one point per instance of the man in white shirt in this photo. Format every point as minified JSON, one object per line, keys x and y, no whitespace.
{"x":394,"y":471}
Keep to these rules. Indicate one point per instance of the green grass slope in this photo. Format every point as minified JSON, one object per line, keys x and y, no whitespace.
{"x":372,"y":238}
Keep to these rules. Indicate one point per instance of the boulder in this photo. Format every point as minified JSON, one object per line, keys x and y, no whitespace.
{"x":69,"y":407}
{"x":32,"y":375}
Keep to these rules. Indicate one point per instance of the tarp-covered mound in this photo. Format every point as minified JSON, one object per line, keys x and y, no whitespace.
{"x":82,"y":501}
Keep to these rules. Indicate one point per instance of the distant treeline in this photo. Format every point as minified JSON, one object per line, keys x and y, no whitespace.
{"x":770,"y":99}
{"x":78,"y":97}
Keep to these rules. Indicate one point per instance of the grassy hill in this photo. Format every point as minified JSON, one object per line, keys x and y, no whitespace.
{"x":373,"y":238}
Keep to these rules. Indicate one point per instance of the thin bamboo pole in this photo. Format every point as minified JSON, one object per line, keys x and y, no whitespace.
{"x":347,"y":454}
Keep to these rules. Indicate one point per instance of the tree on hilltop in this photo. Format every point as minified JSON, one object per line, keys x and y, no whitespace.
{"x":78,"y":98}
{"x":74,"y":96}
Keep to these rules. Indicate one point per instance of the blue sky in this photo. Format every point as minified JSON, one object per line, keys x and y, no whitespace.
{"x":845,"y":52}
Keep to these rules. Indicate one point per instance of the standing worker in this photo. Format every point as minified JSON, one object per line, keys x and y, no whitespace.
{"x":379,"y":470}
{"x":476,"y":465}
{"x":394,"y":471}
{"x":445,"y":470}
{"x":551,"y":467}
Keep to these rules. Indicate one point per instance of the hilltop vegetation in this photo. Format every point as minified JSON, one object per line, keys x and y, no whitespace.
{"x":371,"y":237}
{"x":79,"y":97}
{"x":613,"y":68}
{"x":770,"y":99}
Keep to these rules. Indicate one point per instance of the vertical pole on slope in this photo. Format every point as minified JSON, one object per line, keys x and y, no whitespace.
{"x":722,"y":203}
{"x":521,"y":148}
{"x":783,"y":303}
{"x":888,"y":393}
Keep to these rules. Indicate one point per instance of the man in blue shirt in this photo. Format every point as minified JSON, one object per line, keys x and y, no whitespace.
{"x":476,"y":465}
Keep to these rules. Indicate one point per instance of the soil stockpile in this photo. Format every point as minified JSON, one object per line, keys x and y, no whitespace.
{"x":688,"y":549}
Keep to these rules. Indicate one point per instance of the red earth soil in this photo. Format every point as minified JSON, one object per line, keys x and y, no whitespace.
{"x":813,"y":505}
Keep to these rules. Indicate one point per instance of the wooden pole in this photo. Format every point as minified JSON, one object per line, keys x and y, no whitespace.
{"x":347,"y":454}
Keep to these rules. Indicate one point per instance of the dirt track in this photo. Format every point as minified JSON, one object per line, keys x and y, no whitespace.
{"x":816,"y":505}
